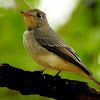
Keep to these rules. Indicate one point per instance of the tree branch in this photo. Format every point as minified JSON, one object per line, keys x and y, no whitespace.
{"x":45,"y":85}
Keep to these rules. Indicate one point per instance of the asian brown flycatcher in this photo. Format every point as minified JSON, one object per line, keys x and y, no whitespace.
{"x":48,"y":49}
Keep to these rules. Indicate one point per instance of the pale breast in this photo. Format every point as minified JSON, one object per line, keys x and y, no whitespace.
{"x":35,"y":51}
{"x":30,"y":44}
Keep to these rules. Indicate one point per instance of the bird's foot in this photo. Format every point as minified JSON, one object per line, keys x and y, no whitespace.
{"x":44,"y":69}
{"x":57,"y":75}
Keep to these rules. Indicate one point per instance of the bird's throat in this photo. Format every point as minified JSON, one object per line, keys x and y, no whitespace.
{"x":30,"y":22}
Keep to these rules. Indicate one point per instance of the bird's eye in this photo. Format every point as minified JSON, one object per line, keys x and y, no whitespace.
{"x":39,"y":15}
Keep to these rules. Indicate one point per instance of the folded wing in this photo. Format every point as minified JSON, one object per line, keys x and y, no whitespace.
{"x":54,"y":43}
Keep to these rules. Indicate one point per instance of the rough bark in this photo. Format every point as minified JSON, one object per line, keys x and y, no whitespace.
{"x":45,"y":85}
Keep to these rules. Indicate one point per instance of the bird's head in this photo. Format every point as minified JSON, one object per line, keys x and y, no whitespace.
{"x":34,"y":18}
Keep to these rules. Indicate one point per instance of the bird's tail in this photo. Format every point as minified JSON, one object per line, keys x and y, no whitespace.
{"x":95,"y":80}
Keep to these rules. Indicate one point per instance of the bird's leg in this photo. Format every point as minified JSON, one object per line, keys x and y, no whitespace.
{"x":44,"y":68}
{"x":57,"y":73}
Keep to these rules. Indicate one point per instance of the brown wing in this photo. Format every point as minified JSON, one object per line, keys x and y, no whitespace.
{"x":54,"y":43}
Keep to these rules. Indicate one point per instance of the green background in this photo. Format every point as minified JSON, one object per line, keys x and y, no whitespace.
{"x":81,"y":32}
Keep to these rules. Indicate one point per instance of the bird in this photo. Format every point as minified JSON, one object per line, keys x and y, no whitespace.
{"x":48,"y":49}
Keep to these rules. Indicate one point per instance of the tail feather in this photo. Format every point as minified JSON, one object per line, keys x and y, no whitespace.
{"x":94,"y":79}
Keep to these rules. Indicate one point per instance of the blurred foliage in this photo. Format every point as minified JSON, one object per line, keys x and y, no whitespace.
{"x":82,"y":33}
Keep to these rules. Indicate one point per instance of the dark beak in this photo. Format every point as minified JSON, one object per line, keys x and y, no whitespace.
{"x":22,"y":11}
{"x":25,"y":13}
